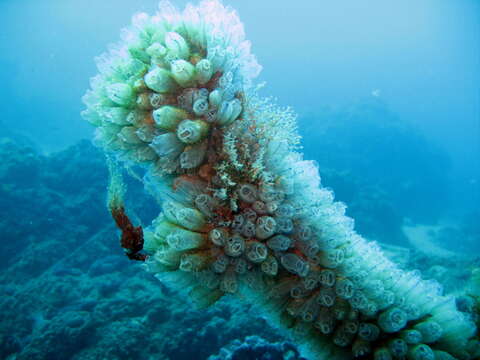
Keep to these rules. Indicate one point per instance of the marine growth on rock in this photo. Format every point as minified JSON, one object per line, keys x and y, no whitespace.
{"x":242,"y":212}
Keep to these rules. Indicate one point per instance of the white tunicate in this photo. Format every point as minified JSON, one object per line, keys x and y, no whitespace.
{"x":279,"y":243}
{"x":234,"y":245}
{"x":294,"y":264}
{"x":256,"y":252}
{"x":218,"y":236}
{"x":265,"y":227}
{"x":359,"y":301}
{"x":247,"y":193}
{"x":298,"y":291}
{"x":341,"y":338}
{"x":392,"y":320}
{"x":284,"y":225}
{"x":181,"y":239}
{"x":327,"y":278}
{"x":360,"y":348}
{"x":167,"y":145}
{"x":146,"y":133}
{"x":220,"y":264}
{"x":188,"y":218}
{"x":350,"y":326}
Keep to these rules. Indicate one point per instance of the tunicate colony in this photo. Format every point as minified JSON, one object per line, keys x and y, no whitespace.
{"x":242,"y":212}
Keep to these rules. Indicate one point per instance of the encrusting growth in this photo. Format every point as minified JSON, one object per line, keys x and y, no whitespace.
{"x":242,"y":212}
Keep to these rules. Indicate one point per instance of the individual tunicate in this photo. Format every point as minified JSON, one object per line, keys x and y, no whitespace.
{"x":247,"y":193}
{"x":368,"y":332}
{"x":421,"y":352}
{"x":191,"y":131}
{"x":204,"y":71}
{"x":256,"y":252}
{"x":121,"y":94}
{"x":160,"y":80}
{"x":265,"y":227}
{"x":392,"y":320}
{"x":234,"y":245}
{"x":168,"y":117}
{"x":218,"y":236}
{"x":279,"y":243}
{"x":294,"y":264}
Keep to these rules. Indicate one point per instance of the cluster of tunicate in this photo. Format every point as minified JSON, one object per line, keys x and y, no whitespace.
{"x":242,"y":212}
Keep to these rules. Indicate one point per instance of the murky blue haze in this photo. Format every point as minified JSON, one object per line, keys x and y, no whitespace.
{"x":388,"y":98}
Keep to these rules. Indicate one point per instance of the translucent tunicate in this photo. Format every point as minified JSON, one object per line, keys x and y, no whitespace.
{"x":160,"y":80}
{"x":168,"y":117}
{"x":128,"y":135}
{"x":192,"y":262}
{"x":326,"y":297}
{"x":360,"y":348}
{"x":256,"y":252}
{"x":304,"y":232}
{"x":220,"y":264}
{"x":191,"y":131}
{"x":392,"y":320}
{"x":200,"y":107}
{"x":411,"y":336}
{"x":344,"y":288}
{"x":341,"y":337}
{"x":368,"y":332}
{"x":229,"y":282}
{"x":332,"y":258}
{"x":119,"y":93}
{"x":265,"y":227}
{"x":398,"y":348}
{"x":284,"y":225}
{"x":382,"y":354}
{"x":228,"y":112}
{"x":431,"y":331}
{"x":176,"y":46}
{"x":193,"y":156}
{"x":311,"y":280}
{"x":189,"y":218}
{"x":181,"y":239}
{"x":327,"y":278}
{"x":247,"y":193}
{"x":421,"y":352}
{"x":325,"y":321}
{"x":248,"y":229}
{"x":240,"y":265}
{"x":285,"y":210}
{"x":270,"y":266}
{"x":204,"y":71}
{"x":234,"y":245}
{"x":218,"y":236}
{"x":205,"y":204}
{"x":294,"y":264}
{"x":167,"y":145}
{"x":279,"y":243}
{"x":237,"y":223}
{"x":250,"y":215}
{"x":259,"y":207}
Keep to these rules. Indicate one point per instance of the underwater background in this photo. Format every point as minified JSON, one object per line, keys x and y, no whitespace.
{"x":388,"y":98}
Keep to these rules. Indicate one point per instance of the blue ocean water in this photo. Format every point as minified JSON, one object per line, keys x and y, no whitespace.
{"x":388,"y":98}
